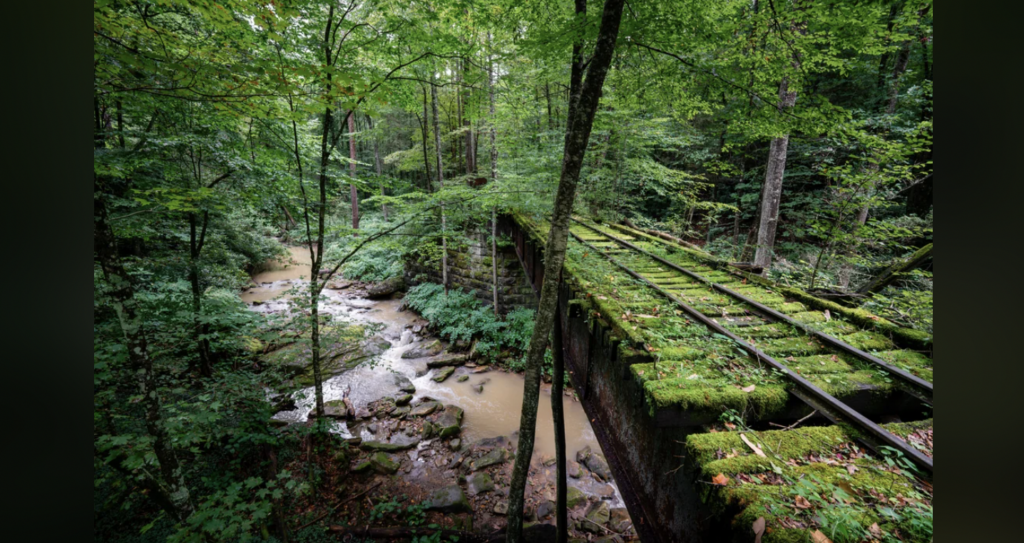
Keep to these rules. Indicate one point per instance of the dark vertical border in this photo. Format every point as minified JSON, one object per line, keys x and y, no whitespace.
{"x":47,"y":240}
{"x":978,"y":211}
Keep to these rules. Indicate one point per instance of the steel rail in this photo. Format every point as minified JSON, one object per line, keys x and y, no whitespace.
{"x":833,"y":341}
{"x":828,"y":405}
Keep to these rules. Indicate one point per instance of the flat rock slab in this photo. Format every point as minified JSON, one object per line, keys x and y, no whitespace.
{"x":383,"y":464}
{"x":407,"y":443}
{"x":447,"y":359}
{"x":443,"y":374}
{"x":479,"y":483}
{"x":496,"y":456}
{"x":450,"y":499}
{"x":424,"y":409}
{"x":430,"y":349}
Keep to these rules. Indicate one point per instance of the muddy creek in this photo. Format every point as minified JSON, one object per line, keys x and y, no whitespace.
{"x":491,"y":411}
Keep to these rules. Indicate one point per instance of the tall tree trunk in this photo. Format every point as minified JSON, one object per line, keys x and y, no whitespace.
{"x":554,"y":254}
{"x":379,"y":168}
{"x":426,"y":160}
{"x":321,"y":208}
{"x":170,"y":479}
{"x":771,"y":193}
{"x":547,"y":97}
{"x":440,"y":180}
{"x":354,"y":196}
{"x":494,"y":176}
{"x":558,"y":418}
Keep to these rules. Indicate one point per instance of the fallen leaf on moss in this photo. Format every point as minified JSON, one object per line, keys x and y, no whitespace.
{"x":720,"y":479}
{"x":758,"y":529}
{"x":818,"y":537}
{"x":802,"y":503}
{"x":757,"y":450}
{"x":875,"y":530}
{"x":749,"y":388}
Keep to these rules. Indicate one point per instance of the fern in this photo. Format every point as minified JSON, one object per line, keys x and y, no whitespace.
{"x":460,"y":316}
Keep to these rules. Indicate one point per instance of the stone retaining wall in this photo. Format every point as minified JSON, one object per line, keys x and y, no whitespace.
{"x":469,"y":269}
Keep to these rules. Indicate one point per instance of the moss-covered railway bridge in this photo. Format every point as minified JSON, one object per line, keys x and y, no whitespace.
{"x":660,"y":340}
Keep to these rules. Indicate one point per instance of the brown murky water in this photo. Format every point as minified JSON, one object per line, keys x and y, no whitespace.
{"x":494,"y":411}
{"x":278,"y":276}
{"x":497,"y":410}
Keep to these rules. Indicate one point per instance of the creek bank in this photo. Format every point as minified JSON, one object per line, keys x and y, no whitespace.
{"x":421,"y":454}
{"x":397,"y":428}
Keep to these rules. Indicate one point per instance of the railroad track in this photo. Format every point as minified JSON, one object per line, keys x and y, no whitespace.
{"x":766,"y":327}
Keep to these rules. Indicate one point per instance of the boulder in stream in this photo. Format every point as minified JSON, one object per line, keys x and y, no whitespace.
{"x":424,"y":409}
{"x":450,"y":499}
{"x":595,"y":462}
{"x":443,"y":374}
{"x":496,"y":456}
{"x":447,"y":359}
{"x":403,"y":383}
{"x":401,"y":445}
{"x":449,"y":421}
{"x":479,"y":483}
{"x":422,"y":351}
{"x":597,"y":516}
{"x":385,"y":288}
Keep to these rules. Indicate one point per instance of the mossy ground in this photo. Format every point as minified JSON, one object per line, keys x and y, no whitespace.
{"x":839,"y":485}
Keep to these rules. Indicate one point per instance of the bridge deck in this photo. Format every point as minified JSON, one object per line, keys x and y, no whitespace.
{"x":687,"y":375}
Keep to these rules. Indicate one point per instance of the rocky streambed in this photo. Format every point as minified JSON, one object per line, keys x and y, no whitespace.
{"x":431,"y":422}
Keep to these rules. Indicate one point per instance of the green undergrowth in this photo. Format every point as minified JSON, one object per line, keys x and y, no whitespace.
{"x":811,"y":479}
{"x":460,"y":316}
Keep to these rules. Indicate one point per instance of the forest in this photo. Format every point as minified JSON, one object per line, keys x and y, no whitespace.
{"x":318,"y":314}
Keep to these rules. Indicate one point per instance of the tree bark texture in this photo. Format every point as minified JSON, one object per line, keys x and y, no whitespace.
{"x":440,"y":180}
{"x":352,"y":168}
{"x":558,"y":419}
{"x":554,"y":254}
{"x":494,"y":178}
{"x":771,"y":193}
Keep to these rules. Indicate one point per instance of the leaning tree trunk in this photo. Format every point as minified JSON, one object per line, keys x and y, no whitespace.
{"x":558,"y":371}
{"x":440,"y":180}
{"x":554,"y":255}
{"x":771,"y":193}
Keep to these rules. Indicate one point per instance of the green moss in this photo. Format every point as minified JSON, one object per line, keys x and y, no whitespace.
{"x":776,"y":330}
{"x":807,"y":317}
{"x":868,"y":341}
{"x":904,"y":429}
{"x":791,"y":346}
{"x":819,"y":363}
{"x":692,"y":395}
{"x":905,"y":359}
